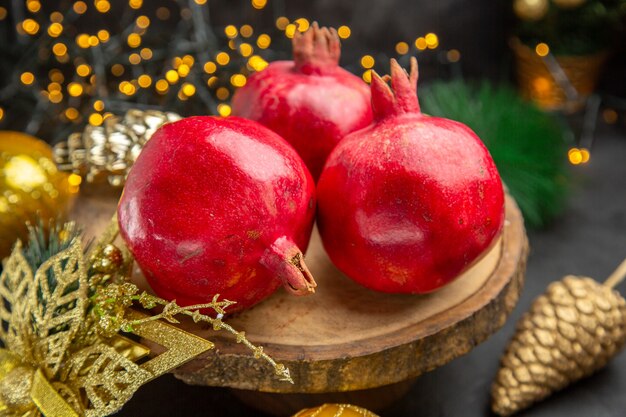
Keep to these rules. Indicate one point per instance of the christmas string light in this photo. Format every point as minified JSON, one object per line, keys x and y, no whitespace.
{"x":78,"y":66}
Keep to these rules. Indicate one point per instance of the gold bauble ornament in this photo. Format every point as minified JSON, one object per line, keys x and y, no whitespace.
{"x":531,"y":9}
{"x":31,"y":186}
{"x":571,"y":331}
{"x":335,"y":410}
{"x":569,"y":4}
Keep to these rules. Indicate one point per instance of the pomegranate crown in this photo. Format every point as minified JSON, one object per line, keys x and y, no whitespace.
{"x":316,"y":49}
{"x":400,"y":97}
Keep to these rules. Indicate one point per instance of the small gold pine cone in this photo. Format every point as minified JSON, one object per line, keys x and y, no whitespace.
{"x":109,"y":151}
{"x":571,"y":331}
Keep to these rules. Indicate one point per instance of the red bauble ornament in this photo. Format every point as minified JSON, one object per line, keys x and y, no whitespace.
{"x":219,"y":206}
{"x":408,"y":203}
{"x":310,"y":101}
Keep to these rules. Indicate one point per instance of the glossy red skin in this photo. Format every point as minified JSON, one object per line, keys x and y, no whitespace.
{"x":312,"y":111}
{"x":203,"y":203}
{"x":406,"y":205}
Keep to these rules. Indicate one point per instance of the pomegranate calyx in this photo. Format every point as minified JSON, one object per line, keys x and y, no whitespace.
{"x":316,"y":49}
{"x":286,"y":261}
{"x":400,"y":97}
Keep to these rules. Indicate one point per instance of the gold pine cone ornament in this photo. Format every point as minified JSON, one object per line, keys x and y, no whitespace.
{"x":110,"y":150}
{"x":571,"y":331}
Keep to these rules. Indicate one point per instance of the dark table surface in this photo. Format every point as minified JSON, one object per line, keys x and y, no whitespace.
{"x":588,"y":239}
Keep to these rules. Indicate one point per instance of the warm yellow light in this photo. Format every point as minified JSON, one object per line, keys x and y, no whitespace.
{"x":56,"y":17}
{"x":453,"y":55}
{"x":230,"y":31}
{"x":143,"y":22}
{"x":54,"y":87}
{"x":610,"y":116}
{"x":117,"y":70}
{"x":71,"y":113}
{"x":232,"y":44}
{"x":30,"y":26}
{"x":420,"y":43}
{"x":80,"y":7}
{"x":575,"y":156}
{"x":55,"y":96}
{"x":134,"y":59}
{"x":3,"y":13}
{"x":303,"y":24}
{"x":200,"y":2}
{"x":210,"y":67}
{"x":367,"y":61}
{"x":541,"y":85}
{"x":144,"y":81}
{"x":162,"y":86}
{"x":222,"y":58}
{"x":263,"y":41}
{"x":246,"y":31}
{"x":238,"y":80}
{"x":282,"y":22}
{"x":344,"y":32}
{"x":103,"y":6}
{"x":163,"y":13}
{"x":95,"y":119}
{"x":172,"y":76}
{"x":146,"y":53}
{"x":27,"y":78}
{"x":176,"y":62}
{"x":59,"y":49}
{"x":188,"y":89}
{"x":224,"y":110}
{"x":222,"y":93}
{"x":127,"y":88}
{"x":133,"y":40}
{"x":93,"y":41}
{"x":402,"y":48}
{"x":246,"y":49}
{"x":24,"y":173}
{"x":74,"y":179}
{"x":74,"y":89}
{"x":188,"y":60}
{"x":83,"y":70}
{"x":33,"y":6}
{"x":82,"y":40}
{"x":98,"y":105}
{"x":1,"y":113}
{"x":290,"y":30}
{"x":212,"y":81}
{"x":183,"y":70}
{"x":259,"y":4}
{"x":542,"y":49}
{"x":135,"y":4}
{"x":257,"y":63}
{"x":432,"y":41}
{"x":367,"y":76}
{"x":56,"y":75}
{"x":55,"y":30}
{"x":584,"y":155}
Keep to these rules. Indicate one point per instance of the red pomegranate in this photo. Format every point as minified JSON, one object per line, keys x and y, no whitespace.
{"x":310,"y":101}
{"x":408,"y":203}
{"x":219,"y":206}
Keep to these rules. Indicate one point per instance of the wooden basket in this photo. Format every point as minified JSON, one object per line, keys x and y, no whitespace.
{"x":538,"y":84}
